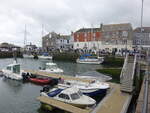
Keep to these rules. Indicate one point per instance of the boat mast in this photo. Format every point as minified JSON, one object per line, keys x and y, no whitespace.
{"x":25,"y":36}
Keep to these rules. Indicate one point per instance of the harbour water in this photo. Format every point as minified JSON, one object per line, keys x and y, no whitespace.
{"x":18,"y":97}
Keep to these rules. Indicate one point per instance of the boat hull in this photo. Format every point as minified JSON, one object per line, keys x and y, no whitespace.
{"x":95,"y":93}
{"x":10,"y":75}
{"x":88,"y":62}
{"x":45,"y":57}
{"x":40,"y":81}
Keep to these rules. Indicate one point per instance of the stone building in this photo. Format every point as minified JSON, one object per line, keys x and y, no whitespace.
{"x":53,"y":41}
{"x":49,"y":41}
{"x":141,"y":37}
{"x":117,"y":36}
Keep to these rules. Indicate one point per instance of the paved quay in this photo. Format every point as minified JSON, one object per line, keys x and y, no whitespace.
{"x":141,"y":99}
{"x":114,"y":102}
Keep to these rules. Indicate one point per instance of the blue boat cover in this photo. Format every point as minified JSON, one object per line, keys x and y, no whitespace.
{"x":54,"y":93}
{"x":85,"y":55}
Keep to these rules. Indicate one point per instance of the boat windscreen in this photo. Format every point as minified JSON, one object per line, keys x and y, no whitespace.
{"x":74,"y":96}
{"x":54,"y":93}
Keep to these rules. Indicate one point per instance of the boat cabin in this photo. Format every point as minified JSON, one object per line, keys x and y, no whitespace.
{"x":51,"y":66}
{"x":70,"y":94}
{"x":15,"y":68}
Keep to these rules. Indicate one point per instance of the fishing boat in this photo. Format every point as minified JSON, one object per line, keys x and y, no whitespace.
{"x":13,"y":71}
{"x":89,"y":59}
{"x":71,"y":96}
{"x":52,"y":68}
{"x":91,"y":89}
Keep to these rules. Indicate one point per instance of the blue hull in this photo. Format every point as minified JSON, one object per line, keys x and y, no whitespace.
{"x":96,"y":93}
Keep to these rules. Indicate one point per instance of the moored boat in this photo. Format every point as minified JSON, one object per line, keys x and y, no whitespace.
{"x":52,"y":68}
{"x":89,"y":59}
{"x":92,"y":89}
{"x":13,"y":71}
{"x":45,"y":56}
{"x":71,"y":96}
{"x":40,"y":80}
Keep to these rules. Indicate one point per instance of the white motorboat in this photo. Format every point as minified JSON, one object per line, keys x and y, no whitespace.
{"x":52,"y":68}
{"x":27,"y":56}
{"x":71,"y":96}
{"x":89,"y":59}
{"x":13,"y":71}
{"x":92,"y":89}
{"x":45,"y":57}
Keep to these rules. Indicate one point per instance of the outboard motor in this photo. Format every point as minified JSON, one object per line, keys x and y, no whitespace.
{"x":32,"y":76}
{"x":46,"y":88}
{"x":54,"y":81}
{"x":25,"y":76}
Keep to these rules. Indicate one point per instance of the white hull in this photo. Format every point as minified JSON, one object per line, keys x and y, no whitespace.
{"x":50,"y":71}
{"x":28,"y":56}
{"x":11,"y":75}
{"x":45,"y":57}
{"x":98,"y":60}
{"x":89,"y":62}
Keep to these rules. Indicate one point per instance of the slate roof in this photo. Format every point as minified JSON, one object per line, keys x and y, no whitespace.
{"x":88,"y":30}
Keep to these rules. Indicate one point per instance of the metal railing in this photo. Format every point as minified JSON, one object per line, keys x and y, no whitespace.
{"x":145,"y":101}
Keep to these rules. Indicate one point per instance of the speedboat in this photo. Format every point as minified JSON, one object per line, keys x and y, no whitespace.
{"x":89,"y":59}
{"x":13,"y":71}
{"x":71,"y":96}
{"x":52,"y":68}
{"x":91,"y":89}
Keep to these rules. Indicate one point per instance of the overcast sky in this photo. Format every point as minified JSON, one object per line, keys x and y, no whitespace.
{"x":64,"y":16}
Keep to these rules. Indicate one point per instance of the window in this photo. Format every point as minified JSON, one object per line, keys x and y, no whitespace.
{"x":8,"y":68}
{"x":68,"y":41}
{"x":75,"y":96}
{"x":85,"y":35}
{"x":77,"y":45}
{"x":64,"y":96}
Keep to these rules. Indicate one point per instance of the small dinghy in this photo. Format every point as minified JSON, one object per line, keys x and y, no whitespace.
{"x":36,"y":79}
{"x":40,"y":80}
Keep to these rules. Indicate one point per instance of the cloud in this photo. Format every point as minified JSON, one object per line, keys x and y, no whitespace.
{"x":64,"y":16}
